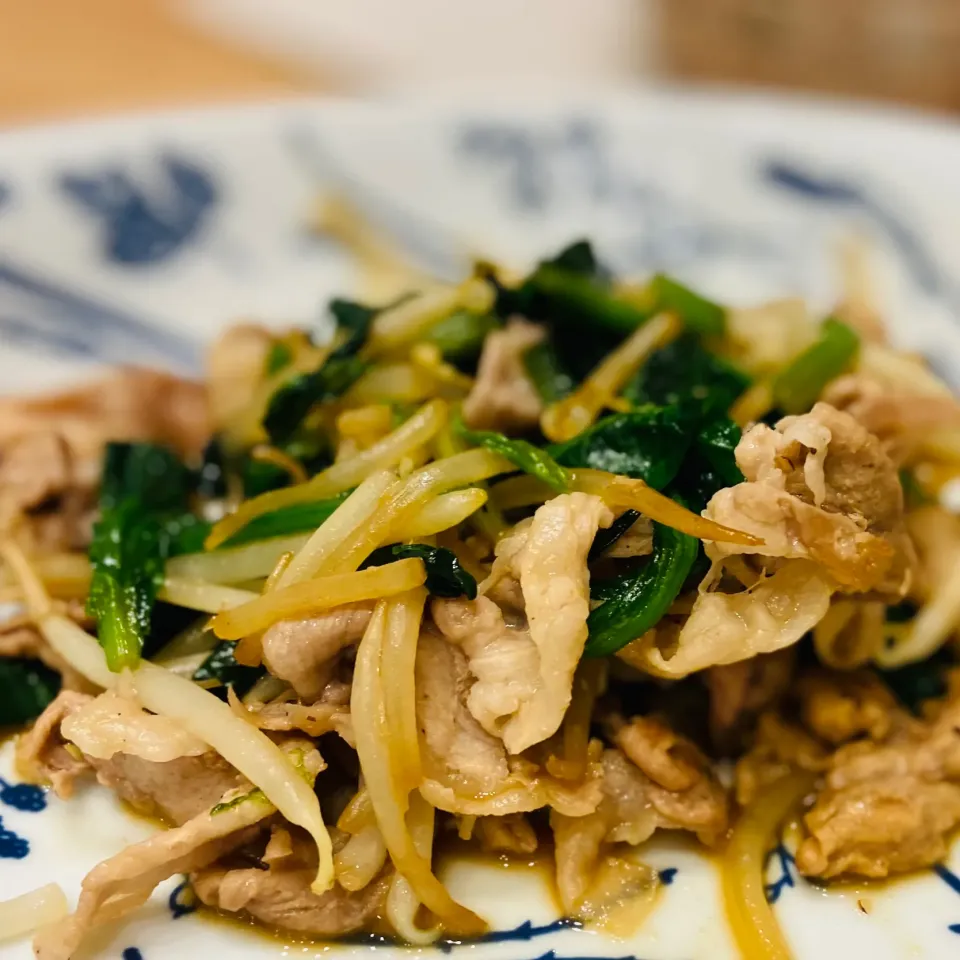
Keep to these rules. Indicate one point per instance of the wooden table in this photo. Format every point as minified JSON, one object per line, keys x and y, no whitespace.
{"x":69,"y":58}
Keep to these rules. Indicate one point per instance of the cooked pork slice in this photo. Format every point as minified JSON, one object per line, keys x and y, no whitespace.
{"x":174,"y":791}
{"x":820,"y":487}
{"x":524,"y":675}
{"x":888,"y":807}
{"x":740,"y":691}
{"x":118,"y":886}
{"x":130,"y":404}
{"x":43,"y":754}
{"x":899,"y":419}
{"x":280,"y":896}
{"x":634,"y":807}
{"x":503,"y":397}
{"x":303,"y":652}
{"x":779,"y":747}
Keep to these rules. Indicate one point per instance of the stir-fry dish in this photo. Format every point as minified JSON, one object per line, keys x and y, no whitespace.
{"x":547,"y":562}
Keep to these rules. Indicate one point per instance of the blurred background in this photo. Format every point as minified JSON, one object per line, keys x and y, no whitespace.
{"x":67,"y":58}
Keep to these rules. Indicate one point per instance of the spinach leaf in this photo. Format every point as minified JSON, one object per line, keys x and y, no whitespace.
{"x":296,"y":518}
{"x":635,"y":602}
{"x":143,"y":513}
{"x":913,"y":493}
{"x":548,"y":372}
{"x":460,"y":336}
{"x":27,"y":687}
{"x":353,"y":325}
{"x":524,"y":455}
{"x":648,"y":444}
{"x":699,"y":314}
{"x":294,"y":400}
{"x":558,"y":296}
{"x":211,"y":479}
{"x":581,"y":259}
{"x":685,"y":370}
{"x":798,"y":386}
{"x":445,"y":576}
{"x":710,"y":464}
{"x":222,"y":668}
{"x":278,"y":357}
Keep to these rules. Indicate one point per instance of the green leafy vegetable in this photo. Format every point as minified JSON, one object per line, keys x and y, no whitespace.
{"x":256,"y":795}
{"x":460,"y":336}
{"x":294,"y":400}
{"x":222,"y":668}
{"x":445,"y":576}
{"x":648,"y":444}
{"x":353,"y":325}
{"x":913,"y":494}
{"x":917,"y":682}
{"x":26,"y":689}
{"x":522,"y":454}
{"x":710,"y":464}
{"x":211,"y":479}
{"x":686,"y":370}
{"x":797,"y":387}
{"x":581,"y":259}
{"x":279,"y":356}
{"x":143,"y":519}
{"x":605,"y":539}
{"x":559,"y":296}
{"x":296,"y":518}
{"x":699,"y":314}
{"x":547,"y":371}
{"x":635,"y":602}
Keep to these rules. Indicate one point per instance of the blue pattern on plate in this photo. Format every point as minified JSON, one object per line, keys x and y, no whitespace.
{"x":553,"y":955}
{"x":131,"y":953}
{"x":668,"y":875}
{"x":524,"y":932}
{"x":145,"y":224}
{"x":788,"y":872}
{"x":23,"y":796}
{"x":182,"y":900}
{"x":953,"y":882}
{"x":38,"y":313}
{"x":530,"y":158}
{"x":432,"y":247}
{"x":839,"y":192}
{"x":12,"y":845}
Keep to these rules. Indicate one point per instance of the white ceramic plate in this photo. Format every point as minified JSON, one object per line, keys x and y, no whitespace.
{"x":137,"y":239}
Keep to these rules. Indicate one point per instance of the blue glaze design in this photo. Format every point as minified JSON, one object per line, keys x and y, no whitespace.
{"x":12,"y":845}
{"x":947,"y":876}
{"x":182,"y":900}
{"x":530,"y":156}
{"x":145,"y":225}
{"x":788,"y":872}
{"x":23,"y":796}
{"x":524,"y":932}
{"x":668,"y":875}
{"x":39,"y":314}
{"x":953,"y":882}
{"x":131,"y":953}
{"x":429,"y":245}
{"x":553,"y":955}
{"x":831,"y":191}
